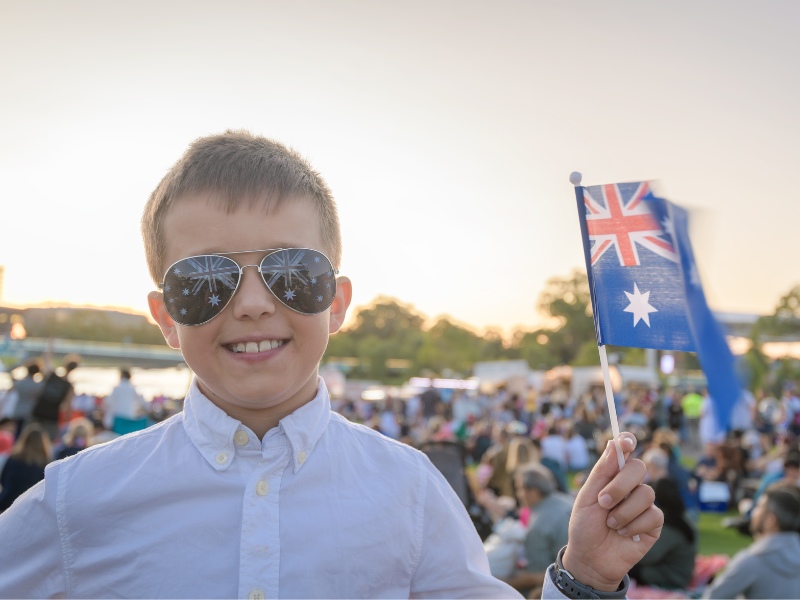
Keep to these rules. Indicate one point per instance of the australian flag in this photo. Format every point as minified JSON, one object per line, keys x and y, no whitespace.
{"x":645,"y":287}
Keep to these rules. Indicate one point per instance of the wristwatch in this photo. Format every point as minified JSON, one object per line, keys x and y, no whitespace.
{"x":572,"y":588}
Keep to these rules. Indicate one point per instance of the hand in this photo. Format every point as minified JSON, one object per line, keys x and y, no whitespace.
{"x":610,"y":509}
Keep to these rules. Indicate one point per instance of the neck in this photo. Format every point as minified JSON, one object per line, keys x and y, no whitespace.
{"x":261,"y":419}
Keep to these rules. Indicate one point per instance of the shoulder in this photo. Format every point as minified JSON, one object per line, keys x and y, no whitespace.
{"x":128,"y":450}
{"x":372,"y":456}
{"x":374,"y":445}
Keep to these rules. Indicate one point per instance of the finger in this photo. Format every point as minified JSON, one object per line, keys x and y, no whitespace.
{"x":622,"y":484}
{"x":627,"y":441}
{"x":606,"y":468}
{"x":649,"y":523}
{"x":639,"y":501}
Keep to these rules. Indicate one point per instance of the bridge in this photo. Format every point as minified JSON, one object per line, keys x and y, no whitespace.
{"x":91,"y":353}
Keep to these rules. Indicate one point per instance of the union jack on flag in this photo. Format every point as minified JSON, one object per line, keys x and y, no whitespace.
{"x":620,"y":219}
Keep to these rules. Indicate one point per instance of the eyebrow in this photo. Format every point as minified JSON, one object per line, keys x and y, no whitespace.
{"x":280,"y":246}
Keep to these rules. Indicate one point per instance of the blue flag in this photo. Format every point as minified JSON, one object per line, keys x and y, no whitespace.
{"x":645,"y":287}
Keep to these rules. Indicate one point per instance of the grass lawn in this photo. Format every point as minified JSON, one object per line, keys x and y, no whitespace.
{"x":716,"y":539}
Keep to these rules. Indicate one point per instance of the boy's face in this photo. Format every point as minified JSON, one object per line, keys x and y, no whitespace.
{"x":246,"y":384}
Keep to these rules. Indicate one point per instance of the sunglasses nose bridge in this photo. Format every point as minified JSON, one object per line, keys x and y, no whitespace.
{"x":252,"y":301}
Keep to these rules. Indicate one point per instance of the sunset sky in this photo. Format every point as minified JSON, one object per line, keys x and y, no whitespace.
{"x":447,"y":131}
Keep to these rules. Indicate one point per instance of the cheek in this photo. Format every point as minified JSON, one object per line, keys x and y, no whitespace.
{"x":314,"y":335}
{"x":193,"y":339}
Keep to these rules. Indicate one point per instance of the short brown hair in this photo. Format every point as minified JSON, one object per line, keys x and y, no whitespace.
{"x":240,"y":167}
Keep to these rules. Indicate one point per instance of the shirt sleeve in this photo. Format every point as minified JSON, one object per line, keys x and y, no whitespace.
{"x":734,"y":580}
{"x":30,"y":551}
{"x":549,"y":589}
{"x":452,"y":562}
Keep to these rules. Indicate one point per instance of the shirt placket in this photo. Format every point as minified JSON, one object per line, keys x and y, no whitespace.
{"x":259,"y":552}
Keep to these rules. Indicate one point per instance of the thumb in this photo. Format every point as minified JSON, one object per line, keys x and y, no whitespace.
{"x":605,"y":469}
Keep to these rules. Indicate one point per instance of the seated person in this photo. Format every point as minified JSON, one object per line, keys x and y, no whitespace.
{"x":548,"y":512}
{"x":790,"y":473}
{"x":770,"y":566}
{"x":669,"y":563}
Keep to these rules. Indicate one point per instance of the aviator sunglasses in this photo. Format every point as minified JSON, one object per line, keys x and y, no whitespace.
{"x":196,"y":289}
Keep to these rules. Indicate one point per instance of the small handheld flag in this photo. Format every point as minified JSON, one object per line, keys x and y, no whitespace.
{"x":645,"y":287}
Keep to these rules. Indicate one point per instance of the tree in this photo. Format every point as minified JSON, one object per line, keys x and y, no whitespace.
{"x":568,"y":302}
{"x":448,"y":346}
{"x":785,"y":321}
{"x":532,"y":347}
{"x":386,"y":329}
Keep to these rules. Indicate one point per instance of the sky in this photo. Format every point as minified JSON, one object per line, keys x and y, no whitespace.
{"x":447,"y":131}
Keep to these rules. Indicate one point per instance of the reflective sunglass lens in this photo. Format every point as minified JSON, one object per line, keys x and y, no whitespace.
{"x":301,"y":279}
{"x":196,"y":289}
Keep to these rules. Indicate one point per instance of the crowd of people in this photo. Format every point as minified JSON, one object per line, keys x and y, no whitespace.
{"x":42,"y":419}
{"x":525,"y":457}
{"x":519,"y":461}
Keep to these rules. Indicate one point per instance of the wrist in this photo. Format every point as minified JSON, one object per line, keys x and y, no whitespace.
{"x":585,"y":574}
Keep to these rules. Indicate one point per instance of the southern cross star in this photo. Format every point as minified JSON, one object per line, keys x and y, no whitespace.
{"x":639,"y":306}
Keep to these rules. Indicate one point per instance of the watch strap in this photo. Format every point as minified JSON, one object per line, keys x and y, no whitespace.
{"x":572,"y":588}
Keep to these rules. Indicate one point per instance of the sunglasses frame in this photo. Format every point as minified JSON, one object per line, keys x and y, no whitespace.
{"x":269,"y":252}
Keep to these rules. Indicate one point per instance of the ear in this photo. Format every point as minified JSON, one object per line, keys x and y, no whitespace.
{"x":155,"y":300}
{"x":338,"y":311}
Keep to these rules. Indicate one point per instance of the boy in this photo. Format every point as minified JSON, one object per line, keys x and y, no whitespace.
{"x":257,"y":489}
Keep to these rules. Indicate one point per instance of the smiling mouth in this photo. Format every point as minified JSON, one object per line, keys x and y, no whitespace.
{"x":254,"y":347}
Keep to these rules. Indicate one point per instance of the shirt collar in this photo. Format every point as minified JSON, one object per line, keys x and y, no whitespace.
{"x":212,"y":431}
{"x":305,"y":426}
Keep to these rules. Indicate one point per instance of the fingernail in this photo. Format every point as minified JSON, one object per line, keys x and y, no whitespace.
{"x":627,"y":442}
{"x":612,"y":522}
{"x":605,"y":501}
{"x":622,"y":531}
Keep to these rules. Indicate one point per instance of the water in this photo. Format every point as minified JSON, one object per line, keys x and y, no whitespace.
{"x":99,"y":381}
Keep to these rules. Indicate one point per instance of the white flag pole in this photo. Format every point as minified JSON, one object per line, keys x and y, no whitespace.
{"x":612,"y":407}
{"x":575,"y":179}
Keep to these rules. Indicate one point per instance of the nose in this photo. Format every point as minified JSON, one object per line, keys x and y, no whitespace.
{"x":252,"y":300}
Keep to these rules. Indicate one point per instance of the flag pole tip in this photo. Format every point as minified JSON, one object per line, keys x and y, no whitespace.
{"x":575,"y":178}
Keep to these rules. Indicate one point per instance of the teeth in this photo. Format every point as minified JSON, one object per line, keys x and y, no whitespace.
{"x":253,"y":347}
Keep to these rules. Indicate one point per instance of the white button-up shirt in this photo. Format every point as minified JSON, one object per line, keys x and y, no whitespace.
{"x":199,"y":507}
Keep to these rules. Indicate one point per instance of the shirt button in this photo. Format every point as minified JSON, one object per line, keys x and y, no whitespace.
{"x":241,"y":437}
{"x":262,"y":488}
{"x":257,"y":595}
{"x":221,"y":458}
{"x":301,"y":458}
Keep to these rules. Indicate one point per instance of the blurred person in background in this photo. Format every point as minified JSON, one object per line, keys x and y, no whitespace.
{"x":55,"y":397}
{"x":790,"y":474}
{"x":24,"y":468}
{"x":124,"y":409}
{"x":554,"y":447}
{"x":26,"y":390}
{"x":692,"y":405}
{"x":547,"y":512}
{"x":790,"y":404}
{"x":78,"y":437}
{"x":578,"y":458}
{"x":770,"y":566}
{"x":7,"y":429}
{"x":669,"y":564}
{"x":669,"y":441}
